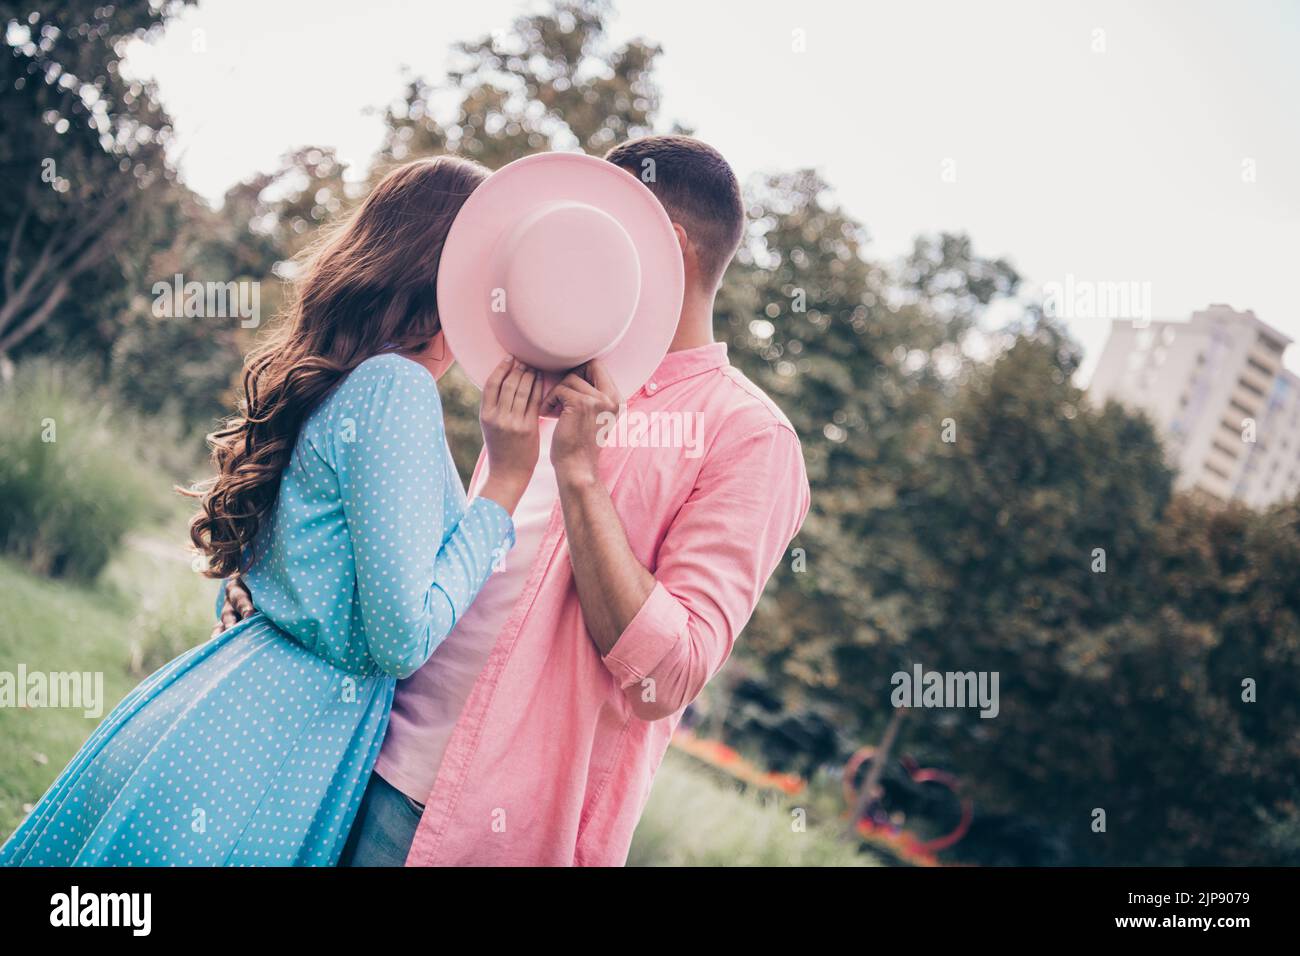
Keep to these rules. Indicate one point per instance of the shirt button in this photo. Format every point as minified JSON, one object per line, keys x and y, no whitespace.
{"x":652,"y":387}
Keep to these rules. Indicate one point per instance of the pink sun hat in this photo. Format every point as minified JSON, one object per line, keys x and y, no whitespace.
{"x":557,"y":259}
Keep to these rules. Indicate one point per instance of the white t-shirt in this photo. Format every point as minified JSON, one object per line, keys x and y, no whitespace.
{"x":428,"y":703}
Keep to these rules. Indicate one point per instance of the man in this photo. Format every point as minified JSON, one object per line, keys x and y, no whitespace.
{"x":532,"y":735}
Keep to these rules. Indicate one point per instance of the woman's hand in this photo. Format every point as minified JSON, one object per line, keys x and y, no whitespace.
{"x":512,"y":405}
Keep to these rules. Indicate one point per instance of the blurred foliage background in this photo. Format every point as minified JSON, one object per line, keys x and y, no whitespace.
{"x":960,"y":495}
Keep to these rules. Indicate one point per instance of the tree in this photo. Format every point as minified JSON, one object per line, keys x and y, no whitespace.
{"x":552,"y":81}
{"x":1128,"y":628}
{"x":861,"y":357}
{"x":1233,"y":576}
{"x":191,"y":365}
{"x":83,"y":151}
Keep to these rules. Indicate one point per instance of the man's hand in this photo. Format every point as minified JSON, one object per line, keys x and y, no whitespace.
{"x":237,"y":606}
{"x":586,"y":399}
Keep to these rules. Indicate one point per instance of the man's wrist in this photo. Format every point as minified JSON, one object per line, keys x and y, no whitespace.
{"x":576,"y":479}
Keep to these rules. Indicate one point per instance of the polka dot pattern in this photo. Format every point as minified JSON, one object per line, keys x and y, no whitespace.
{"x":255,"y":747}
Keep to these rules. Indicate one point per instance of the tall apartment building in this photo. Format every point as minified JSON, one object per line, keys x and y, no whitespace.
{"x":1215,"y":386}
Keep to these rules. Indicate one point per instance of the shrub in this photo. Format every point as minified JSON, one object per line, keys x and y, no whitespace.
{"x":75,"y":474}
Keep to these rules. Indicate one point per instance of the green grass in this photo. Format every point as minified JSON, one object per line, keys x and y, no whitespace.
{"x":698,"y":818}
{"x":55,"y":625}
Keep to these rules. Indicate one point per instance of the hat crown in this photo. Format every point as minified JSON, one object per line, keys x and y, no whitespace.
{"x":569,"y":279}
{"x":559,"y":258}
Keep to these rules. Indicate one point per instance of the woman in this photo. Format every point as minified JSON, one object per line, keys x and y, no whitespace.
{"x":337,"y":499}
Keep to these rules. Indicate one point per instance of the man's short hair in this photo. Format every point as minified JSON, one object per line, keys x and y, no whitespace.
{"x":697,"y":187}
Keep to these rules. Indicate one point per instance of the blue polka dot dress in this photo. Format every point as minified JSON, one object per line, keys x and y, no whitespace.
{"x":254,"y":748}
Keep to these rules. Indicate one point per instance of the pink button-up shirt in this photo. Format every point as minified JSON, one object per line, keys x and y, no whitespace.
{"x":551,"y":760}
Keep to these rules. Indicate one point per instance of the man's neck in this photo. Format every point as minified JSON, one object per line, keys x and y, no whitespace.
{"x":695,"y":325}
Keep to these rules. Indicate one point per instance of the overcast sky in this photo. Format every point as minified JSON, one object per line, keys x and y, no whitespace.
{"x":1153,"y":142}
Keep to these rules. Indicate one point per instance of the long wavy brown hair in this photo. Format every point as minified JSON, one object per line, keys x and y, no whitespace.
{"x":368,"y":287}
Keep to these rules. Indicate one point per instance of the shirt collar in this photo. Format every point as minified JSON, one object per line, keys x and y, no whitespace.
{"x":685,"y":364}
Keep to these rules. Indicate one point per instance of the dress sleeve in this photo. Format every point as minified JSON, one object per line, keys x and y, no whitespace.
{"x":416,"y":570}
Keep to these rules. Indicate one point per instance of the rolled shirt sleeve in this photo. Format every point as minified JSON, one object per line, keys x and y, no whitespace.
{"x":749,"y":501}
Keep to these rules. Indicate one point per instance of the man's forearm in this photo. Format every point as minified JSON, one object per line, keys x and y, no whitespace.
{"x":612,"y":584}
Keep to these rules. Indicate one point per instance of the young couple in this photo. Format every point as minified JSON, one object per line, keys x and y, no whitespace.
{"x":387,"y":685}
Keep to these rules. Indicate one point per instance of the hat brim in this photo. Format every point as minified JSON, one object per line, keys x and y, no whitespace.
{"x":465,"y":278}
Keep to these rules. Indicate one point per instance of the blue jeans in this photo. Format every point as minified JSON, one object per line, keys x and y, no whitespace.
{"x":385,"y":826}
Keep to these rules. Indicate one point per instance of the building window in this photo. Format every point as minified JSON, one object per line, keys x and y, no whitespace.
{"x":1259,"y":367}
{"x":1250,"y":388}
{"x":1272,"y":344}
